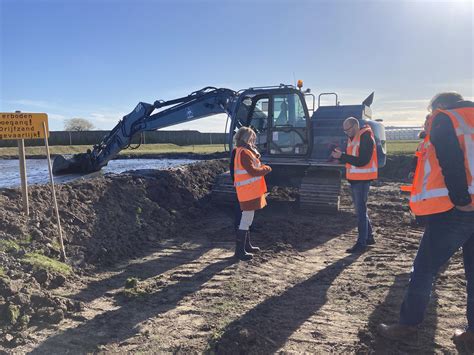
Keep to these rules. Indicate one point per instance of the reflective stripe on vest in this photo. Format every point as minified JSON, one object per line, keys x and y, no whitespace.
{"x":429,"y":193}
{"x":248,"y":181}
{"x":467,"y":132}
{"x":355,"y":169}
{"x":436,"y":193}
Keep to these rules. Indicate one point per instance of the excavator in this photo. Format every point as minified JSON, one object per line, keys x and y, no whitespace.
{"x":294,"y":136}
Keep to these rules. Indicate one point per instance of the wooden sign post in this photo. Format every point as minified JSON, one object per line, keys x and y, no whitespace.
{"x":20,"y":126}
{"x":53,"y":191}
{"x":24,"y":181}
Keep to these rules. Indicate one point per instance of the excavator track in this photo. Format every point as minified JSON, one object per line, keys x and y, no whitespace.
{"x":223,"y":191}
{"x":320,"y":191}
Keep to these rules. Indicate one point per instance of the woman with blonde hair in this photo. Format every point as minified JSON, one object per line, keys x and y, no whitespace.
{"x":249,"y":182}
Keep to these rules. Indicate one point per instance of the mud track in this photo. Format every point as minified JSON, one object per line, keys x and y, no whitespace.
{"x":302,"y":293}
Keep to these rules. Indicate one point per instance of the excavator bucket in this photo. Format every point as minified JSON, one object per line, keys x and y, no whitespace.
{"x":77,"y":164}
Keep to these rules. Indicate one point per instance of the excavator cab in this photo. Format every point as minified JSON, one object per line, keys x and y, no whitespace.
{"x":280,"y":118}
{"x":298,"y":145}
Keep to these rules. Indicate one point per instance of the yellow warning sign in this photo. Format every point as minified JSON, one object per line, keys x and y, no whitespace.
{"x":22,"y":125}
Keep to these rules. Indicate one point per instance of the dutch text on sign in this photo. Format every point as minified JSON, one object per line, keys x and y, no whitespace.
{"x":22,"y":125}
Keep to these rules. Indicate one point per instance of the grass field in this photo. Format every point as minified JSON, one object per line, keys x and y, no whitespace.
{"x":143,"y":149}
{"x":393,"y":147}
{"x":402,"y":147}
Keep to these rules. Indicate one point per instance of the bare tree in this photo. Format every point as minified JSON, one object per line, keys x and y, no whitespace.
{"x":78,"y":124}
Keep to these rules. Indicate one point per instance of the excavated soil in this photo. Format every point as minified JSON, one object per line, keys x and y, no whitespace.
{"x":153,"y":272}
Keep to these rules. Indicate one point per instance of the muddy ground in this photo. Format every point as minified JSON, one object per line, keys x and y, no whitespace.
{"x":152,"y":271}
{"x":178,"y":155}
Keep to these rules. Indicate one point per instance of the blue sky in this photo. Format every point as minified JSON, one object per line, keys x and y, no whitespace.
{"x":98,"y":59}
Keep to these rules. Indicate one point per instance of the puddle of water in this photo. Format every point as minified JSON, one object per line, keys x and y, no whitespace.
{"x":37,"y":169}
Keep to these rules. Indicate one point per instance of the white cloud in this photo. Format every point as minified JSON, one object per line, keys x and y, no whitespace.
{"x":214,"y":123}
{"x":104,"y":120}
{"x":56,"y":116}
{"x":416,"y":102}
{"x":56,"y":121}
{"x":25,"y":103}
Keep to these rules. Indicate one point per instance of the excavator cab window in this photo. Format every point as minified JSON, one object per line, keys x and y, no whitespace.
{"x":288,"y":111}
{"x":289,"y":132}
{"x":258,"y":120}
{"x":259,"y":115}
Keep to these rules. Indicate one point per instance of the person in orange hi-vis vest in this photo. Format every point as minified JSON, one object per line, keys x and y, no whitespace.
{"x":250,"y":186}
{"x":419,"y":148}
{"x":361,"y":168}
{"x":442,"y":192}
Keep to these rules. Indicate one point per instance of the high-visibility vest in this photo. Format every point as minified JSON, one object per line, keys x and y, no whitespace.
{"x":366,"y":172}
{"x":419,"y":153}
{"x":429,"y":194}
{"x":248,"y":187}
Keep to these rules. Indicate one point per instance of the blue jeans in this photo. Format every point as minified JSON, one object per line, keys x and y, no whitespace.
{"x":360,"y":193}
{"x":444,"y":234}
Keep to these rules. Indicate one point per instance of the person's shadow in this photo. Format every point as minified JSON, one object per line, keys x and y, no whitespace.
{"x":120,"y":324}
{"x":266,"y":328}
{"x":388,"y":312}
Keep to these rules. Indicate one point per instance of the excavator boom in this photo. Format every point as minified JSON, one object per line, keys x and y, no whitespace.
{"x":205,"y":102}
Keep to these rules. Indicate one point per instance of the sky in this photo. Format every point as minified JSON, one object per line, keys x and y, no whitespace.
{"x":98,"y":59}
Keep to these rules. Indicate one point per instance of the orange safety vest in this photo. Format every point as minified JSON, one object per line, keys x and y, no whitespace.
{"x":420,"y":146}
{"x":420,"y":151}
{"x":248,"y":187}
{"x":366,"y":172}
{"x":429,"y":194}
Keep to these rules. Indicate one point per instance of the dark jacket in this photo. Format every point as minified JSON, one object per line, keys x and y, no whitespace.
{"x":365,"y":154}
{"x":450,"y":156}
{"x":231,"y":165}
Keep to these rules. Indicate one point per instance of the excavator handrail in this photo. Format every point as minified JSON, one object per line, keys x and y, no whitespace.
{"x":327,"y":93}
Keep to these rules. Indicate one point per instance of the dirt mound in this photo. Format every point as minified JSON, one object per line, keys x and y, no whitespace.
{"x":104,"y":220}
{"x":397,"y":167}
{"x":107,"y":218}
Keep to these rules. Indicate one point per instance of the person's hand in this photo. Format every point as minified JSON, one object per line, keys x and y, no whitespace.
{"x":336,"y":153}
{"x":269,"y":168}
{"x":467,"y":208}
{"x":411,"y":175}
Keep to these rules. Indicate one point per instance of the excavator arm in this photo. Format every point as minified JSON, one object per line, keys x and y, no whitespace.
{"x":199,"y":104}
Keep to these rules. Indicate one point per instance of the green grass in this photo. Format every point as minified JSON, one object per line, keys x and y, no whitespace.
{"x":8,"y":245}
{"x":131,"y":282}
{"x":26,"y":240}
{"x":143,"y":149}
{"x":56,"y":245}
{"x":43,"y":262}
{"x":134,"y":288}
{"x":13,"y":312}
{"x":2,"y":273}
{"x":402,"y":147}
{"x":393,"y":147}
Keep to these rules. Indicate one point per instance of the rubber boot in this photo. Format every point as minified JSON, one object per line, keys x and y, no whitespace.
{"x":240,"y":246}
{"x":249,"y":248}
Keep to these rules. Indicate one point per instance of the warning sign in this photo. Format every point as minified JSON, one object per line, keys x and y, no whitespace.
{"x":22,"y":125}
